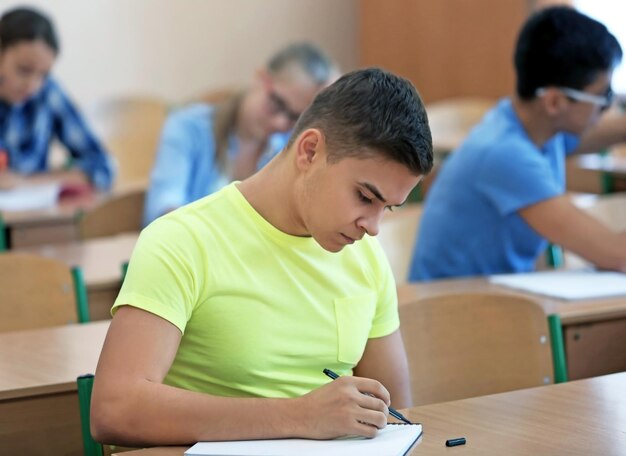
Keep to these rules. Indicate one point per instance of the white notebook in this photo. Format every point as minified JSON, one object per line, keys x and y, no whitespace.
{"x":30,"y":197}
{"x":393,"y":440}
{"x":566,"y":284}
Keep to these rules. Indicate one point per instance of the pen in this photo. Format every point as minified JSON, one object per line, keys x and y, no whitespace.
{"x":392,"y":411}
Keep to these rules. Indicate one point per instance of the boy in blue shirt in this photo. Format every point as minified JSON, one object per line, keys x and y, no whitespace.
{"x":500,"y":198}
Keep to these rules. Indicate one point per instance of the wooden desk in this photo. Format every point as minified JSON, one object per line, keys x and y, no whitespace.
{"x":39,"y":411}
{"x":582,"y":417}
{"x":55,"y":224}
{"x":594,"y":330}
{"x":601,"y":172}
{"x":610,"y":210}
{"x":59,"y":223}
{"x":101,"y":261}
{"x":611,"y":163}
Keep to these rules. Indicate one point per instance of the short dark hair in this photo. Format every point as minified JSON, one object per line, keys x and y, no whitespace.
{"x":560,"y":46}
{"x":373,"y":109}
{"x":26,"y":24}
{"x":317,"y":65}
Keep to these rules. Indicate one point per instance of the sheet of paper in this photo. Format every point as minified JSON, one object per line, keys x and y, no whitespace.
{"x":568,"y":285}
{"x":393,"y":440}
{"x":29,"y":197}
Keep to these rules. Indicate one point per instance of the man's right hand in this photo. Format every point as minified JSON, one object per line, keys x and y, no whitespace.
{"x":346,"y":406}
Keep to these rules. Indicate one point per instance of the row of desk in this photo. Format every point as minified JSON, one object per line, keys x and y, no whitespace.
{"x":39,"y":412}
{"x":101,"y":261}
{"x":38,"y":369}
{"x":594,"y":330}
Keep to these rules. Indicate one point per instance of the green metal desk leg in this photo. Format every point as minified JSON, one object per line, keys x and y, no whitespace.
{"x":558,"y":348}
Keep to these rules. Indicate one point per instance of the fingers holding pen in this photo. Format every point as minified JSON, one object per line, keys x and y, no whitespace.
{"x":347,"y":406}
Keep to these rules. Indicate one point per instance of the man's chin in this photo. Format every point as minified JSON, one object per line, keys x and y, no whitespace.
{"x":332,"y":247}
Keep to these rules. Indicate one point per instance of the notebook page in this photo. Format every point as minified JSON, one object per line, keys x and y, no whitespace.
{"x":566,"y":284}
{"x":30,"y":197}
{"x":393,"y":440}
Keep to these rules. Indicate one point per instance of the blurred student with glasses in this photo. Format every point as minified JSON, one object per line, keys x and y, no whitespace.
{"x":204,"y":146}
{"x":500,"y":198}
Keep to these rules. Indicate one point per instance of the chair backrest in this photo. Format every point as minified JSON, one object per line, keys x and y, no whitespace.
{"x":397,"y":233}
{"x":466,"y":345}
{"x":39,"y":292}
{"x":121,"y":213}
{"x":452,"y":119}
{"x":610,"y":210}
{"x":130,"y":128}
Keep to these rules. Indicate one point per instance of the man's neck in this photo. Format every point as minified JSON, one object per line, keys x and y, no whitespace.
{"x":538,"y":125}
{"x":271,"y":193}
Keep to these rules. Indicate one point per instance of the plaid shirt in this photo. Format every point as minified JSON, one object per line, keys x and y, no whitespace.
{"x":26,"y":130}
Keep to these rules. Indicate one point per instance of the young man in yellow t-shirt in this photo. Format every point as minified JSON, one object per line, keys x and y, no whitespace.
{"x":233,"y":305}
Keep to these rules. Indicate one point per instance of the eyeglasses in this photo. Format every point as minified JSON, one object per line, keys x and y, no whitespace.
{"x":279,"y":105}
{"x":603,"y":101}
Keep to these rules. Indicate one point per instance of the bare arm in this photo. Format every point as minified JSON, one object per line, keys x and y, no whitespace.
{"x":610,"y":130}
{"x":385,"y":360}
{"x":131,"y":405}
{"x":561,"y":222}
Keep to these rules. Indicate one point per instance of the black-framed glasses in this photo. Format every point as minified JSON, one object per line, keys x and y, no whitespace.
{"x":279,"y":105}
{"x":603,"y":101}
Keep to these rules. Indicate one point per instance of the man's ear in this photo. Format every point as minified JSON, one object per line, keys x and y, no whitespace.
{"x":310,"y":148}
{"x":554,"y":103}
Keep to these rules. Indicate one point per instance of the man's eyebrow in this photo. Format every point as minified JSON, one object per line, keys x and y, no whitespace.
{"x":374,"y":191}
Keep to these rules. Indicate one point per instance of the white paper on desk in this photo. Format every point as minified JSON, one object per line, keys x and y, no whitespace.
{"x":30,"y":197}
{"x":393,"y":440}
{"x":568,"y":285}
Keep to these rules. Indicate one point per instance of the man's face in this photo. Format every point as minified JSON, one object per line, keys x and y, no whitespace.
{"x":280,"y":98}
{"x":580,"y":114}
{"x":344,"y":200}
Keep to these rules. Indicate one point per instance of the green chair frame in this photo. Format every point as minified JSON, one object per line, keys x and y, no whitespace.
{"x":554,"y":256}
{"x":80,"y":292}
{"x":4,"y":243}
{"x":85,"y":386}
{"x":558,"y":348}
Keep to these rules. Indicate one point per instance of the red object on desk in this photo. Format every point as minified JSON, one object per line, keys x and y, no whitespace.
{"x":4,"y":160}
{"x":73,"y":190}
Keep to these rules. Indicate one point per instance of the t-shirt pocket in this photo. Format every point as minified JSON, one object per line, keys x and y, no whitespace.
{"x":354,"y":316}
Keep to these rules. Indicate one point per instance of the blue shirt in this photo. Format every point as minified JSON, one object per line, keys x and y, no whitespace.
{"x":186,"y":168}
{"x":470,"y":224}
{"x":28,"y":128}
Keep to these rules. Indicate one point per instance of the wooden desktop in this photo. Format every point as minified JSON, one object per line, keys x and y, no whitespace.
{"x":39,"y":411}
{"x":582,"y":417}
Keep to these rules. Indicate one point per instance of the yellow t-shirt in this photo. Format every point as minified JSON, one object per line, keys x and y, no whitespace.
{"x":261,"y":312}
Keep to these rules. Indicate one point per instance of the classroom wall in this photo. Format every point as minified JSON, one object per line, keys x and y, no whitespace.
{"x":447,"y":48}
{"x":178,"y":48}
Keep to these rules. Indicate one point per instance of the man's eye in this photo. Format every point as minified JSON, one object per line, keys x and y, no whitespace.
{"x":364,"y":198}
